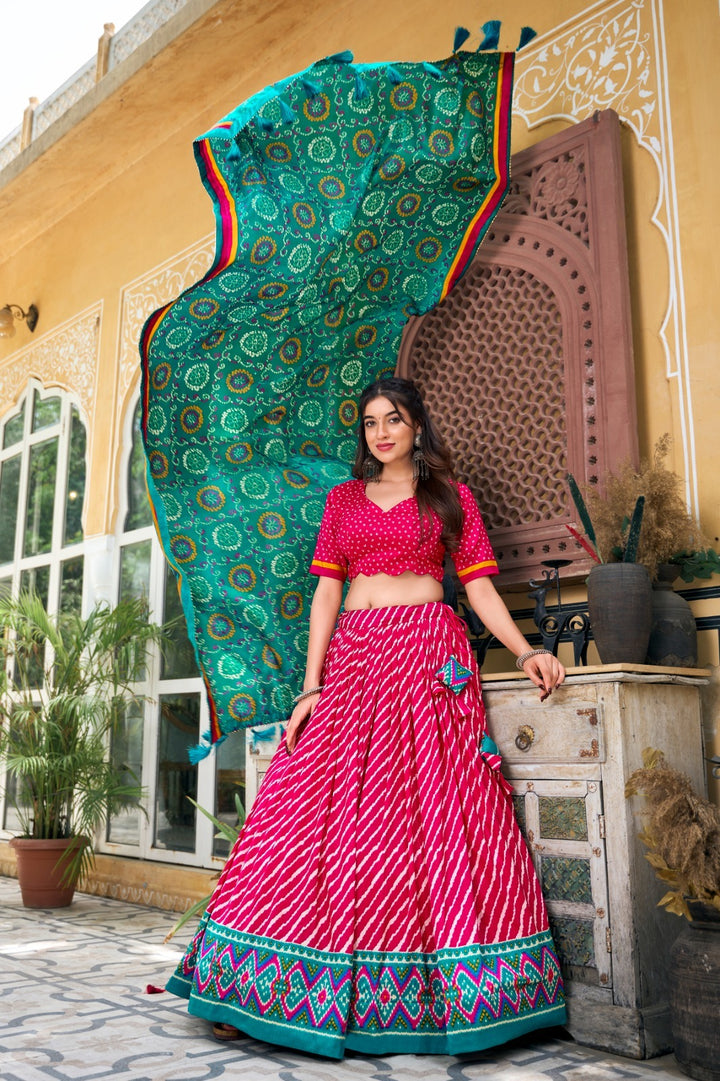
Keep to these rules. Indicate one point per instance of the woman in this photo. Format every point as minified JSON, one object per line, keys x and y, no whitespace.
{"x":380,"y":897}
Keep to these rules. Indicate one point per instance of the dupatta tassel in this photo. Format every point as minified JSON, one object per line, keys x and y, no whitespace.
{"x":526,"y":35}
{"x":361,"y":88}
{"x":311,"y":89}
{"x":491,"y":30}
{"x":461,"y":36}
{"x":286,"y":112}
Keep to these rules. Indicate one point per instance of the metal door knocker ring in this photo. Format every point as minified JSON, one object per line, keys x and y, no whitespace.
{"x":525,"y":737}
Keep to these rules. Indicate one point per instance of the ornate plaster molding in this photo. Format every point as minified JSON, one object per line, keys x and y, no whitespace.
{"x":139,"y":299}
{"x":144,"y":295}
{"x":65,"y":357}
{"x":613,"y":56}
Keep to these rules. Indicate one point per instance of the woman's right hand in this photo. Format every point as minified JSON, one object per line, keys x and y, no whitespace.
{"x":298,"y":719}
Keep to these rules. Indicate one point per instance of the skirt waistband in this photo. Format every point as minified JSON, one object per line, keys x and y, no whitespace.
{"x":367,"y":619}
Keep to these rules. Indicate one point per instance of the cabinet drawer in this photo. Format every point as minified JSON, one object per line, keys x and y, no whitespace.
{"x":566,"y":728}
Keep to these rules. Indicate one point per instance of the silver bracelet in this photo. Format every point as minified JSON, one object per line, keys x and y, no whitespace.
{"x":531,"y":653}
{"x":306,"y":694}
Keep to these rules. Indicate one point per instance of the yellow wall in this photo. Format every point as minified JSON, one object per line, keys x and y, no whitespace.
{"x":119,"y":194}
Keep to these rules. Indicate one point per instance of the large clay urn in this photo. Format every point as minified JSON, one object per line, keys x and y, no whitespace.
{"x":620,"y":607}
{"x":673,"y":634}
{"x":695,"y":994}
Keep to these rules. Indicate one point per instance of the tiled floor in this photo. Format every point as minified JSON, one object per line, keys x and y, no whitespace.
{"x":73,"y":1007}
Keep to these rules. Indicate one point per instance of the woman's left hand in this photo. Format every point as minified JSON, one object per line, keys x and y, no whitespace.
{"x":546,"y":672}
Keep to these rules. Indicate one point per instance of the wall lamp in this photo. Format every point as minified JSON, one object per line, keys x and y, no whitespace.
{"x":10,"y":313}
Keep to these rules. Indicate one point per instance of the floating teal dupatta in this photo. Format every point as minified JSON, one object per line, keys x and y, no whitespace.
{"x":347,"y":198}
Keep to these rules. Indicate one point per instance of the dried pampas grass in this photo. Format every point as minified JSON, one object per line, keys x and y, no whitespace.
{"x":682,"y":833}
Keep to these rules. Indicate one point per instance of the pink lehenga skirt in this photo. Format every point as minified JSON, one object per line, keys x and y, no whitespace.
{"x":381,"y":897}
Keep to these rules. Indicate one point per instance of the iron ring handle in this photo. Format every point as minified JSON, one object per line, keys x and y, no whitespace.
{"x":525,"y":737}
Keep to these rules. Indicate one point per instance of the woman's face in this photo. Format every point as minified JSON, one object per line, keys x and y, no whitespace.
{"x":389,"y":431}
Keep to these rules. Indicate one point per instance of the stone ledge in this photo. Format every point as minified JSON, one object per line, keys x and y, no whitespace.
{"x":169,"y":886}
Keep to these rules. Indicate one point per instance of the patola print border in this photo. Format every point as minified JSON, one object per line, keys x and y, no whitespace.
{"x":455,"y":1000}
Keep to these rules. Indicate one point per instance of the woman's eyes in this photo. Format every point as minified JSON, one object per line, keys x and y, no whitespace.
{"x":391,"y":420}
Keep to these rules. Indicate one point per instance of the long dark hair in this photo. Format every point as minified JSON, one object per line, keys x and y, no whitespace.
{"x":438,"y":492}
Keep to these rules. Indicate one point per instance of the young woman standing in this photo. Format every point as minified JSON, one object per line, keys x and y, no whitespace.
{"x":381,"y":897}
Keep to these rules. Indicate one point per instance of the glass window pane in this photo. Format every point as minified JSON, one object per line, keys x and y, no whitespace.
{"x":36,"y":580}
{"x":41,"y":498}
{"x":14,"y":428}
{"x":138,"y":513}
{"x":230,"y":781}
{"x":13,"y":822}
{"x":177,"y":778}
{"x":71,"y":585}
{"x":9,"y":485}
{"x":126,"y":750}
{"x":46,"y":411}
{"x":178,"y":661}
{"x":76,"y":481}
{"x":135,"y":570}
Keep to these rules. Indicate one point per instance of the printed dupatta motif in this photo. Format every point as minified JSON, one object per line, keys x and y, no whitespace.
{"x":347,"y":198}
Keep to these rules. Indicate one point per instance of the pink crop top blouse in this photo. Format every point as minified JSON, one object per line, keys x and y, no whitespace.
{"x":358,"y":537}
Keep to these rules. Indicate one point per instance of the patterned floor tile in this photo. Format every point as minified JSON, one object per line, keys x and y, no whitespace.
{"x":74,"y":1007}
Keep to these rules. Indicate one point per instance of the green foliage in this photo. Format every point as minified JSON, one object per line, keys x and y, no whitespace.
{"x":701,"y":564}
{"x":66,"y":683}
{"x":633,"y":533}
{"x":582,"y":510}
{"x":667,"y":527}
{"x":231,"y":834}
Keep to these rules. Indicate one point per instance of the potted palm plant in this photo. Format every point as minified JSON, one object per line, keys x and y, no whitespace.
{"x":682,"y":835}
{"x":66,"y":682}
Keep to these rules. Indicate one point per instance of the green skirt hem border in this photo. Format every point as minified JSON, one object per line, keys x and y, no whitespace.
{"x":286,"y":1034}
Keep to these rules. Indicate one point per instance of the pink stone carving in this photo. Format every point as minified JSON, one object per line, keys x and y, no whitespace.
{"x":528,"y":364}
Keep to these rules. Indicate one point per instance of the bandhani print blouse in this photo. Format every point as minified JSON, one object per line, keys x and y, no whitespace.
{"x":359,"y":537}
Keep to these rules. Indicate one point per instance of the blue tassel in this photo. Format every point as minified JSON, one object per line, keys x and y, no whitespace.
{"x":311,"y":89}
{"x":461,"y":36}
{"x":345,"y":57}
{"x":286,"y":112}
{"x":264,"y":124}
{"x":393,"y":75}
{"x":206,"y":736}
{"x":432,"y":70}
{"x":526,"y":34}
{"x":491,"y":30}
{"x":198,"y":752}
{"x":361,"y":88}
{"x":234,"y":153}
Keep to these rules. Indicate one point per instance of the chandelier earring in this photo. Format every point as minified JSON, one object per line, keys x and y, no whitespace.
{"x":421,"y":470}
{"x":370,"y":468}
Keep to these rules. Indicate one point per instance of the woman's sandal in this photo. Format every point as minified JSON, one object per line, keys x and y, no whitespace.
{"x":225,"y":1032}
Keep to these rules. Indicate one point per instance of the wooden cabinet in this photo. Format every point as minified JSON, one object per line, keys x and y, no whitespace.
{"x":568,"y":760}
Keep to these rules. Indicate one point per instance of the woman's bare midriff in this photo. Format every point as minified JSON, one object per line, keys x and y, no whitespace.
{"x":388,"y":590}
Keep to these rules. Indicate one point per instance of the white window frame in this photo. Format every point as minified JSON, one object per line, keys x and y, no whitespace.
{"x":59,"y":552}
{"x":153,"y":688}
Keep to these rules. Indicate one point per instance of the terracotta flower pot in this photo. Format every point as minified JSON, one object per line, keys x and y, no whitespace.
{"x":41,"y":867}
{"x":620,"y":607}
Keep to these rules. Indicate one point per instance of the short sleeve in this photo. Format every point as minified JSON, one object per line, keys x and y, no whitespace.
{"x":474,"y":557}
{"x":328,"y":560}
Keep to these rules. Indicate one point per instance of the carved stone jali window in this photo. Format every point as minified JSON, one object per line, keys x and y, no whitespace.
{"x":527,"y":366}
